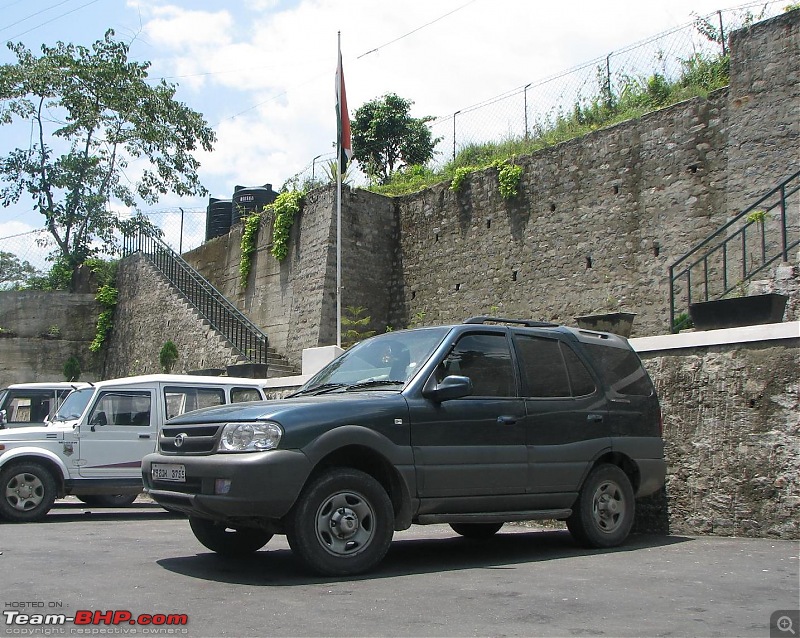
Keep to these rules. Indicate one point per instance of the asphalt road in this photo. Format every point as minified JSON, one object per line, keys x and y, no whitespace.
{"x":523,"y":582}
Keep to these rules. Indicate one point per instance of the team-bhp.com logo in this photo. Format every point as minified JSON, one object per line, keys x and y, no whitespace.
{"x":86,"y":617}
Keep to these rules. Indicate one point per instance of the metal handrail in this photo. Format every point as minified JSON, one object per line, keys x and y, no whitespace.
{"x":245,"y":337}
{"x":724,"y":244}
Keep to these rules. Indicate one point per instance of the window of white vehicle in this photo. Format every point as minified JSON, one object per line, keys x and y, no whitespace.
{"x":241,"y":395}
{"x":181,"y":399}
{"x":74,"y":405}
{"x":130,"y":408}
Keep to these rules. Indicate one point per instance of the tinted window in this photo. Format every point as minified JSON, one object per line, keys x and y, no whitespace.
{"x":622,"y":369}
{"x":180,"y":399}
{"x":580,"y":378}
{"x":543,"y":367}
{"x":486,"y":360}
{"x":121,"y":408}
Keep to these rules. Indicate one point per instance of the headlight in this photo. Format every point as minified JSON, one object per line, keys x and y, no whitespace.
{"x":249,"y":437}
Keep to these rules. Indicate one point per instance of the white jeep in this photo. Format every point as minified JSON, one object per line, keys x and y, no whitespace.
{"x":92,"y":447}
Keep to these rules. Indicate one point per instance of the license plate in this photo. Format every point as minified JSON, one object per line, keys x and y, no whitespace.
{"x":168,"y":472}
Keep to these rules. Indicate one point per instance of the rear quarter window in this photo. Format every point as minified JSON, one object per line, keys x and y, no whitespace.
{"x":622,"y":369}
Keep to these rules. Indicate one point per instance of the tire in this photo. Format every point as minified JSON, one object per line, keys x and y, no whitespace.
{"x":228,"y":542}
{"x":342,"y":523}
{"x":108,"y":500}
{"x":476,"y":530}
{"x":27,"y":492}
{"x":603,"y":513}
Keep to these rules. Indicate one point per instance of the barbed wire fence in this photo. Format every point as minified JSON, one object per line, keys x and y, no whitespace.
{"x":515,"y":114}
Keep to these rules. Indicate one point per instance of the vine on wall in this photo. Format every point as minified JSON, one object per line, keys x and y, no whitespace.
{"x":284,"y":208}
{"x":248,"y":244}
{"x":508,"y":175}
{"x":282,"y":211}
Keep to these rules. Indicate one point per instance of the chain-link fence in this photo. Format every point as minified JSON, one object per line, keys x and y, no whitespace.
{"x":532,"y":107}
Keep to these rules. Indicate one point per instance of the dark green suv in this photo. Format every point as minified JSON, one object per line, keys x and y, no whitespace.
{"x":474,"y":425}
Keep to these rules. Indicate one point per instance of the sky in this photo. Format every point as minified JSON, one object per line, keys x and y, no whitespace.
{"x":261,"y":72}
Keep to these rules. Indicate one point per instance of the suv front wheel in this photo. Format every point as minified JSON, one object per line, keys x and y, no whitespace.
{"x":603,"y":513}
{"x":342,"y":523}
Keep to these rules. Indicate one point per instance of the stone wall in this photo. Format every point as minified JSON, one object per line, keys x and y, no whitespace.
{"x":580,"y":236}
{"x":148,"y":314}
{"x":34,"y":354}
{"x":731,"y":429}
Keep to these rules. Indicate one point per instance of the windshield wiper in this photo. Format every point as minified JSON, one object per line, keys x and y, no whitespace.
{"x":318,"y":389}
{"x":373,"y":383}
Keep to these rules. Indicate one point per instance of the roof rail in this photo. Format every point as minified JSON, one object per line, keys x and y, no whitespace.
{"x":530,"y":323}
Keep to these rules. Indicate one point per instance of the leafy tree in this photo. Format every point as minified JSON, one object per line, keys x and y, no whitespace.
{"x":14,"y":271}
{"x":386,"y":138}
{"x":100,"y":133}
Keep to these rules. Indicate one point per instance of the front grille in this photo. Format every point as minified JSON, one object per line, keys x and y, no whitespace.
{"x":195,"y":439}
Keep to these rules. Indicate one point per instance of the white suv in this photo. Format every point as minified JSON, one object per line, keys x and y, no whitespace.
{"x":93,"y":445}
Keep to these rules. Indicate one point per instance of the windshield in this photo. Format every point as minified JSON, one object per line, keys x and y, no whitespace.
{"x":389,"y":359}
{"x":74,"y":405}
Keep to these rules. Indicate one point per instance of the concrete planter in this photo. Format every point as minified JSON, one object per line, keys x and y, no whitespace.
{"x":249,"y":370}
{"x":618,"y":323}
{"x":738,"y":311}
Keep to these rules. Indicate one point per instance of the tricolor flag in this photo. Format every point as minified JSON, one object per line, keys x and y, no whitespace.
{"x":344,"y":144}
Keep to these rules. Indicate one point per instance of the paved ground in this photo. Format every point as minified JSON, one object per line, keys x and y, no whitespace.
{"x":521,"y":583}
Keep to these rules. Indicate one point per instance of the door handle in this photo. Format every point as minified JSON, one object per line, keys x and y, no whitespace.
{"x":144,"y":436}
{"x":595,"y":418}
{"x":506,"y":420}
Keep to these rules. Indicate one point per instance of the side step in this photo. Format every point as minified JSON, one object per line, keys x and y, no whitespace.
{"x":494,"y":517}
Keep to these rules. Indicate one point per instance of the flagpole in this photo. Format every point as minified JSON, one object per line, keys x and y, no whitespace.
{"x":339,"y":219}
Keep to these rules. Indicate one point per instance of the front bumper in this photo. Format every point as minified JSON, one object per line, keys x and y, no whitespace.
{"x":263,"y":485}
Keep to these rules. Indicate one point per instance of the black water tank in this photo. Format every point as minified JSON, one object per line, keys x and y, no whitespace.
{"x":250,"y":199}
{"x":218,"y":217}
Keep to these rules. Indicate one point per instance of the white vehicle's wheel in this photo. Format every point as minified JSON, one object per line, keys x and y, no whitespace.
{"x":27,"y":492}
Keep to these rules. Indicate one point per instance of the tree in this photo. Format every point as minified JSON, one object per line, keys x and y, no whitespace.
{"x":13,"y":271}
{"x":387,"y":138}
{"x":98,"y":126}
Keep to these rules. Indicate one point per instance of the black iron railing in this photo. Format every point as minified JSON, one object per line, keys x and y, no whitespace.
{"x":243,"y":335}
{"x":746,"y":246}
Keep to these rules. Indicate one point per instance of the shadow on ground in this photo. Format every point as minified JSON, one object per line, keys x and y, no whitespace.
{"x":279,"y":567}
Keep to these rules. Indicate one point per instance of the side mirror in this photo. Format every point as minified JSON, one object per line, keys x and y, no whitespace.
{"x":451,"y":387}
{"x":99,"y":418}
{"x":2,"y":417}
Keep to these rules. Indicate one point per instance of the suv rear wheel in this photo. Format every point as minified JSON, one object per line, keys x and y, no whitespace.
{"x":603,"y":514}
{"x":342,"y":523}
{"x":225,"y":541}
